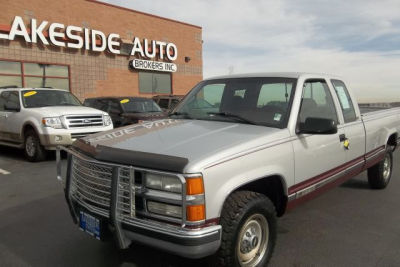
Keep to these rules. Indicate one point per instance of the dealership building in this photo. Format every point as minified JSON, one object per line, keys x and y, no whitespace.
{"x":96,"y":49}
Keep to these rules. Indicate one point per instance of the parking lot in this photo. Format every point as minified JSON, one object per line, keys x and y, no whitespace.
{"x":350,"y":225}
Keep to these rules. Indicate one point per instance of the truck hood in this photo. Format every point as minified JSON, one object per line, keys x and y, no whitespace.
{"x":177,"y":145}
{"x":65,"y":110}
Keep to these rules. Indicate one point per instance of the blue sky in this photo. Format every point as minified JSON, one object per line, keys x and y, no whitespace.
{"x":358,"y":39}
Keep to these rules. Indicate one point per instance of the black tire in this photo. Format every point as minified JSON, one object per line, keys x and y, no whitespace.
{"x":379,"y":175}
{"x":240,"y":210}
{"x":33,"y":150}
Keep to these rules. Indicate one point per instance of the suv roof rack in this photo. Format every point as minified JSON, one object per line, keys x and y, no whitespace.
{"x":9,"y":86}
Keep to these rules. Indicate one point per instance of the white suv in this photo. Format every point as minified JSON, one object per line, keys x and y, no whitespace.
{"x":39,"y":119}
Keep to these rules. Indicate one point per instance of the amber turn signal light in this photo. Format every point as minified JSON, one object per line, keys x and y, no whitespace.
{"x":195,"y":213}
{"x":194,"y":186}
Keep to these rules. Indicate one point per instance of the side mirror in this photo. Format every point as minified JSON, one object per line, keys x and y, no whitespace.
{"x":12,"y":107}
{"x":317,"y":126}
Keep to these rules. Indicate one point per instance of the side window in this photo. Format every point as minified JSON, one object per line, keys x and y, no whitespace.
{"x":317,"y":101}
{"x":346,"y":104}
{"x":14,"y":98}
{"x":9,"y":97}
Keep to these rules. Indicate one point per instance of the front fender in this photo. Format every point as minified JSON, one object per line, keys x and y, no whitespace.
{"x":223,"y":179}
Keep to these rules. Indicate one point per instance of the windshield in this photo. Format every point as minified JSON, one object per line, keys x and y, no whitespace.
{"x":139,"y":105}
{"x":48,"y":98}
{"x":260,"y":101}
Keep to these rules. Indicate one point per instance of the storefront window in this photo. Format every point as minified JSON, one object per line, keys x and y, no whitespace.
{"x":46,"y":82}
{"x":154,"y":83}
{"x":24,"y":74}
{"x":10,"y":73}
{"x":45,"y":70}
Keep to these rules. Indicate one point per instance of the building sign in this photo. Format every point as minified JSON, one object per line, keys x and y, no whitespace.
{"x":152,"y":65}
{"x":89,"y":39}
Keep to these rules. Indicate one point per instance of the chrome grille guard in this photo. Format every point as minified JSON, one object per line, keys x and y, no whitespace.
{"x":95,"y":199}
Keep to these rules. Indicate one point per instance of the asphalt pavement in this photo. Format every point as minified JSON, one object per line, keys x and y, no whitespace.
{"x":350,"y":225}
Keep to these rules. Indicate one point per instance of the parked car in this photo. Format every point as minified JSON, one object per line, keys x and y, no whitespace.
{"x":167,"y":102}
{"x":39,"y":119}
{"x":213,"y":178}
{"x":127,"y":110}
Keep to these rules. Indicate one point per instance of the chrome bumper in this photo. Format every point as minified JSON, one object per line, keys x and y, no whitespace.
{"x":185,"y":242}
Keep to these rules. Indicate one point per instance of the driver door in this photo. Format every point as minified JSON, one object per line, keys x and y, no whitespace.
{"x":317,"y":156}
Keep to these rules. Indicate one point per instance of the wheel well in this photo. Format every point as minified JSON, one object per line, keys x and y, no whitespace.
{"x":26,"y":128}
{"x":273,"y":188}
{"x":392,"y":141}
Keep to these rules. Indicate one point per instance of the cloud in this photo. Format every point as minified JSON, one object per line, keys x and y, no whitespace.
{"x":359,"y":40}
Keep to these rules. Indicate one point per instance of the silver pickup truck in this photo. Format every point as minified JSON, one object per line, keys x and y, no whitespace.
{"x":237,"y":152}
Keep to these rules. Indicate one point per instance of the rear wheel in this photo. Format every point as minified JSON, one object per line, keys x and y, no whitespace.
{"x":33,"y":150}
{"x":379,"y":175}
{"x":249,"y":229}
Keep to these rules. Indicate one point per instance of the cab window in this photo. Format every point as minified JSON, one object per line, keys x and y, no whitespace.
{"x":346,"y":104}
{"x":317,"y":102}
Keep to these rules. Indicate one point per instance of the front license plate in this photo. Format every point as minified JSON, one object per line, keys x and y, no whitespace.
{"x":89,"y":224}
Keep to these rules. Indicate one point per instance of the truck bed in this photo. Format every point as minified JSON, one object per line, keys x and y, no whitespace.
{"x":367,"y":110}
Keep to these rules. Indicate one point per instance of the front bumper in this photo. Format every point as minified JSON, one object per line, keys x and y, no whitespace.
{"x":185,"y":242}
{"x":51,"y":138}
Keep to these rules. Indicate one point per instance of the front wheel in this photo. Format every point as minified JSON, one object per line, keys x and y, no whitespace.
{"x":379,"y":175}
{"x":248,"y":222}
{"x":34,"y":151}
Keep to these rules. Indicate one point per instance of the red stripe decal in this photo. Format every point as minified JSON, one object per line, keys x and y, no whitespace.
{"x":323,"y":176}
{"x":376,"y":157}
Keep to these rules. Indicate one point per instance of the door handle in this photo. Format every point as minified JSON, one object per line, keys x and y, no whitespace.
{"x":342,"y":137}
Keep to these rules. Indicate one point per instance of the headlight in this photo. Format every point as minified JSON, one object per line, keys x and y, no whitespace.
{"x":163,"y":182}
{"x":107,"y":120}
{"x":54,"y":122}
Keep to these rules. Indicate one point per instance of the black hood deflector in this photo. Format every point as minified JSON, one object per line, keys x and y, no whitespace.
{"x":133,"y":158}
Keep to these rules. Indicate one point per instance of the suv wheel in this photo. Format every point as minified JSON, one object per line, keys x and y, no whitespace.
{"x":33,"y":150}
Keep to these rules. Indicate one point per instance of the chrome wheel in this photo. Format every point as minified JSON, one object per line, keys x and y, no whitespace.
{"x":387,"y":167}
{"x":253,"y":240}
{"x":30,"y":146}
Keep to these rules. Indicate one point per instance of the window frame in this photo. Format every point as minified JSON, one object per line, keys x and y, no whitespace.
{"x":22,"y":75}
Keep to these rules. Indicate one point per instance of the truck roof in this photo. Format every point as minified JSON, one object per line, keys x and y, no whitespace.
{"x":274,"y":74}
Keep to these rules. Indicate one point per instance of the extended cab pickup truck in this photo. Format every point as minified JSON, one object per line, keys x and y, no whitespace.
{"x":39,"y":119}
{"x":236,"y":153}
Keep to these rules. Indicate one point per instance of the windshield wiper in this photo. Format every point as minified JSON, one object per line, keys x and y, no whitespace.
{"x":233,"y":116}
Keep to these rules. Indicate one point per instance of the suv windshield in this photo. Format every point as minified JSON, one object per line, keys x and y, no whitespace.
{"x":48,"y":98}
{"x":260,"y":101}
{"x":139,"y":105}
